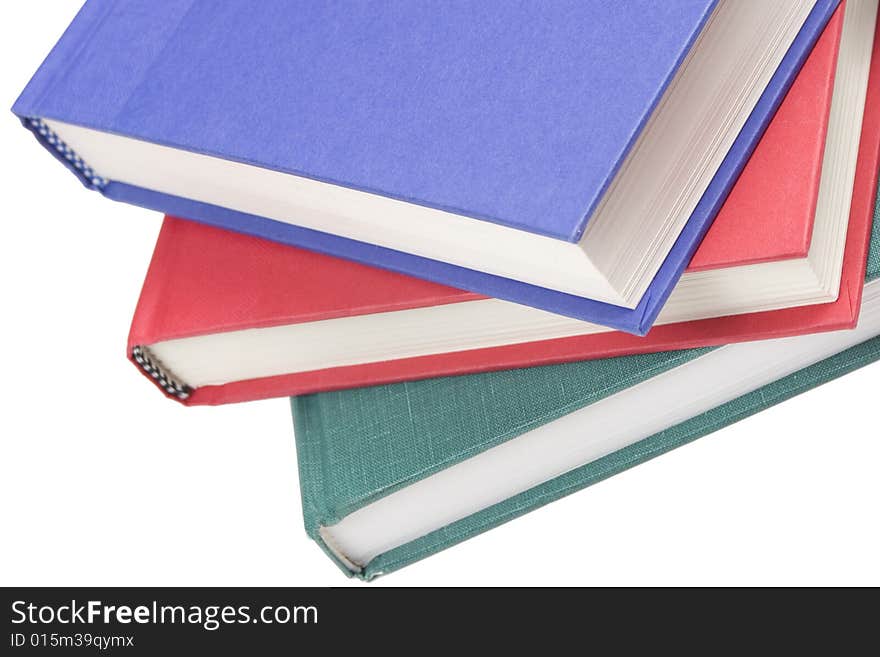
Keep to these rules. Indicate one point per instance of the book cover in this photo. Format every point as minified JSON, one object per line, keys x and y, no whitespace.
{"x":205,"y":280}
{"x":344,"y":438}
{"x":164,"y":86}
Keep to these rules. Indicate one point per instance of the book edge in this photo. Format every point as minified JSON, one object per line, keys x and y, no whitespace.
{"x":716,"y":193}
{"x":644,"y":450}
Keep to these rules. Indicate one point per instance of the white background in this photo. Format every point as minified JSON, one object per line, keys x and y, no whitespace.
{"x":105,"y":482}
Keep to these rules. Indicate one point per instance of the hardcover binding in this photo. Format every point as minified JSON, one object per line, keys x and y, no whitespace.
{"x":636,"y":321}
{"x":66,"y":154}
{"x":660,"y":443}
{"x":152,"y":368}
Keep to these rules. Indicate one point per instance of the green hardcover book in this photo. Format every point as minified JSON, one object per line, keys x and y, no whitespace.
{"x":391,"y":474}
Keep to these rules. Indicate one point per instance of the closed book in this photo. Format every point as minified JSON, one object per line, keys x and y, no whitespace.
{"x":568,"y":156}
{"x":225,"y":317}
{"x":391,"y":474}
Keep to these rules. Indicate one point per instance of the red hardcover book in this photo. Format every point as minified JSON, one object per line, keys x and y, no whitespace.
{"x":225,"y":317}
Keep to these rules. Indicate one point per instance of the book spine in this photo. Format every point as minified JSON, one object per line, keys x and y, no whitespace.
{"x":51,"y":141}
{"x":59,"y":60}
{"x":310,"y":457}
{"x":159,"y":374}
{"x":148,"y":320}
{"x":61,"y":57}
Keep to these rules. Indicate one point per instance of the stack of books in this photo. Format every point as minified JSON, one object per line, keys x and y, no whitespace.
{"x":495,"y":252}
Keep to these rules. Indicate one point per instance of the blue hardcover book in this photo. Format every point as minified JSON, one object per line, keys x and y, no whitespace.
{"x":565,"y":155}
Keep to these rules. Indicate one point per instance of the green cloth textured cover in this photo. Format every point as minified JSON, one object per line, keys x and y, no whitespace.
{"x":355,"y":446}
